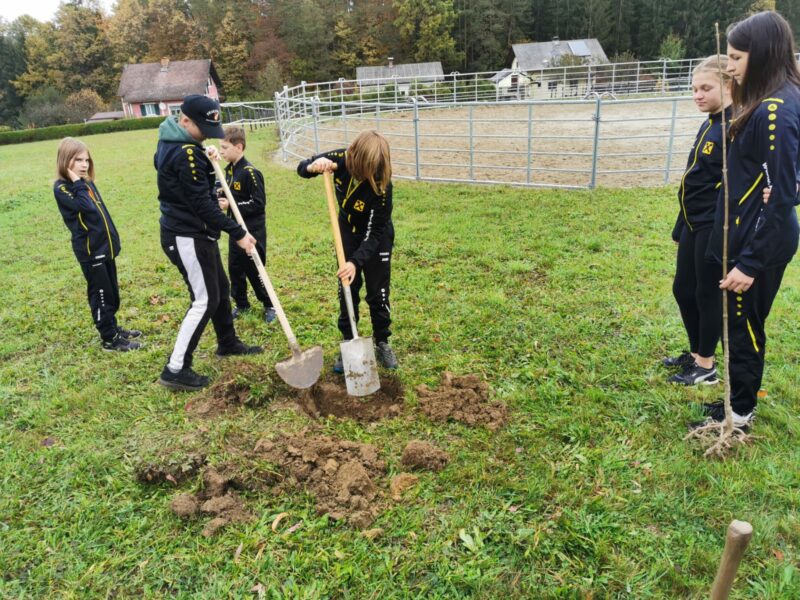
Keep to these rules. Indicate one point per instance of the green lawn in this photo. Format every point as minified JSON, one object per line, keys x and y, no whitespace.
{"x":561,"y":300}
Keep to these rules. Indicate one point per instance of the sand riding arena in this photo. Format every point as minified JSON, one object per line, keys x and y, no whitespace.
{"x":586,"y":142}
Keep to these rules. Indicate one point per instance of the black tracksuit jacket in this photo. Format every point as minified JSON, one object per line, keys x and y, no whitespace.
{"x":766,"y":151}
{"x":94,"y":236}
{"x":363,"y":214}
{"x":702,"y":179}
{"x":189,"y":207}
{"x":247,"y":187}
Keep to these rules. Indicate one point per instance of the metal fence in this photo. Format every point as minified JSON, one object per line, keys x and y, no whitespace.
{"x":625,"y":124}
{"x":252,"y":114}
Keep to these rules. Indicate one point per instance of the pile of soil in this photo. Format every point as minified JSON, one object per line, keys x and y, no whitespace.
{"x":425,"y":456}
{"x":464,"y":399}
{"x":330,"y":398}
{"x":216,"y":500}
{"x":400,"y":483}
{"x":232,"y":388}
{"x":341,"y":475}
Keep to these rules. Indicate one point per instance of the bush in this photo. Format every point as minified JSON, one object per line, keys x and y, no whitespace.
{"x":77,"y":130}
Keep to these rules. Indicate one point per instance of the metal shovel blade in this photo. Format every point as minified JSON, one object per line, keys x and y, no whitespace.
{"x":302,"y":370}
{"x":360,"y":367}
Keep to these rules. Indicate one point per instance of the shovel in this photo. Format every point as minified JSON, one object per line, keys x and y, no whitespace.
{"x":303,"y":368}
{"x":358,"y":354}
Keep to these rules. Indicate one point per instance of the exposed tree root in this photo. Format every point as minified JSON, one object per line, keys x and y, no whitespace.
{"x":719,"y":441}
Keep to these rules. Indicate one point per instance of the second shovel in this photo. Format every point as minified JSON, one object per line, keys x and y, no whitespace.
{"x":358,"y":354}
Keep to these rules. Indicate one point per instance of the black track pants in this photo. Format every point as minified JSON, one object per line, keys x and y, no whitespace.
{"x":377,"y":275}
{"x":242,"y":269}
{"x":200,"y":264}
{"x":747,"y":314}
{"x":102,"y":290}
{"x":696,"y":290}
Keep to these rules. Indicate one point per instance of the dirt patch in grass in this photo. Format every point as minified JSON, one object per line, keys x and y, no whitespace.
{"x":400,"y":483}
{"x":422,"y":455}
{"x":176,"y":469}
{"x":236,"y":386}
{"x":216,"y":500}
{"x":343,"y":476}
{"x":464,"y":399}
{"x":330,"y":398}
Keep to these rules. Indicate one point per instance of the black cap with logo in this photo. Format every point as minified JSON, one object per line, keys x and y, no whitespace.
{"x":205,"y":113}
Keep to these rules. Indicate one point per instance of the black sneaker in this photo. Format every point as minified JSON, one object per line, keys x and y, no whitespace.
{"x":338,"y":365}
{"x":238,"y":348}
{"x":684,"y":360}
{"x":238,"y":312}
{"x":120,"y":344}
{"x":270,"y":315}
{"x":185,"y":379}
{"x":715,"y":413}
{"x":385,"y":355}
{"x":695,"y":374}
{"x":128,"y":334}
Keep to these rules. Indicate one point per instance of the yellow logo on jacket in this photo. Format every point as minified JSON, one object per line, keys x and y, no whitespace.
{"x":359,"y":205}
{"x":708,"y":148}
{"x":237,"y":185}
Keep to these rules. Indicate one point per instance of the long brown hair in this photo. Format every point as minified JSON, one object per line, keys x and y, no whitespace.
{"x":68,"y":149}
{"x":768,"y":40}
{"x":368,"y":159}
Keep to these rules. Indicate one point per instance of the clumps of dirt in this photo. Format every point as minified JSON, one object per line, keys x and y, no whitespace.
{"x":236,"y":386}
{"x":216,"y":500}
{"x":464,"y":399}
{"x":176,"y":469}
{"x":341,"y":475}
{"x":400,"y":483}
{"x":330,"y":398}
{"x":425,"y":456}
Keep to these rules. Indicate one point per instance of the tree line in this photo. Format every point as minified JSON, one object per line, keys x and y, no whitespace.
{"x":65,"y":69}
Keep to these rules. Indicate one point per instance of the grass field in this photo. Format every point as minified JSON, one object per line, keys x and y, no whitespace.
{"x":561,"y":300}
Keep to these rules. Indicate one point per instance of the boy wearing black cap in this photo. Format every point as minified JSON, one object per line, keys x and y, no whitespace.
{"x":191,"y":221}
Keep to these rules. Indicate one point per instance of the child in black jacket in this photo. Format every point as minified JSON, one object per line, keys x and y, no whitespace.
{"x":762,"y":238}
{"x":247,"y":187}
{"x":696,"y":284}
{"x":95,"y":241}
{"x":363,"y":184}
{"x":191,"y":221}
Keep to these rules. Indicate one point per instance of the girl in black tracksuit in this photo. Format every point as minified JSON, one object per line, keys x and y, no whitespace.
{"x":696,"y":283}
{"x":762,"y":238}
{"x":95,"y":240}
{"x":362,"y":179}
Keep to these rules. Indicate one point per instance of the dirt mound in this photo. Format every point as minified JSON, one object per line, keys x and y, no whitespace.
{"x":238,"y":385}
{"x":176,"y":470}
{"x":464,"y":399}
{"x":330,"y":398}
{"x":422,"y":455}
{"x":215,"y":500}
{"x":341,"y":475}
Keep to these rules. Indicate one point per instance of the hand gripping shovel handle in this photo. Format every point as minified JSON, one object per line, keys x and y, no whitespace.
{"x":287,"y":329}
{"x":337,"y":242}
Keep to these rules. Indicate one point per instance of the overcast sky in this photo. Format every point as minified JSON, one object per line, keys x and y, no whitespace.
{"x":43,"y":10}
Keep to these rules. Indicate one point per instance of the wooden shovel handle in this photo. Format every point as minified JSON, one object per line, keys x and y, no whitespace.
{"x":333,"y":214}
{"x":739,"y":534}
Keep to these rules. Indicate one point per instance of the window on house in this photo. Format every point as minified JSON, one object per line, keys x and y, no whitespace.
{"x":150,"y":109}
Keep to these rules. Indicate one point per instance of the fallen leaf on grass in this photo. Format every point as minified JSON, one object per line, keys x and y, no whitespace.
{"x":171,"y":479}
{"x":261,"y":547}
{"x":259,"y":589}
{"x":777,"y":554}
{"x":238,"y":553}
{"x":339,"y":554}
{"x":294,"y":527}
{"x":278,"y":519}
{"x":156,"y":299}
{"x":163,"y":319}
{"x":513,"y":509}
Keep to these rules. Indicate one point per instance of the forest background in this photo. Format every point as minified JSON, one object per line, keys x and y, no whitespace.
{"x":66,"y":69}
